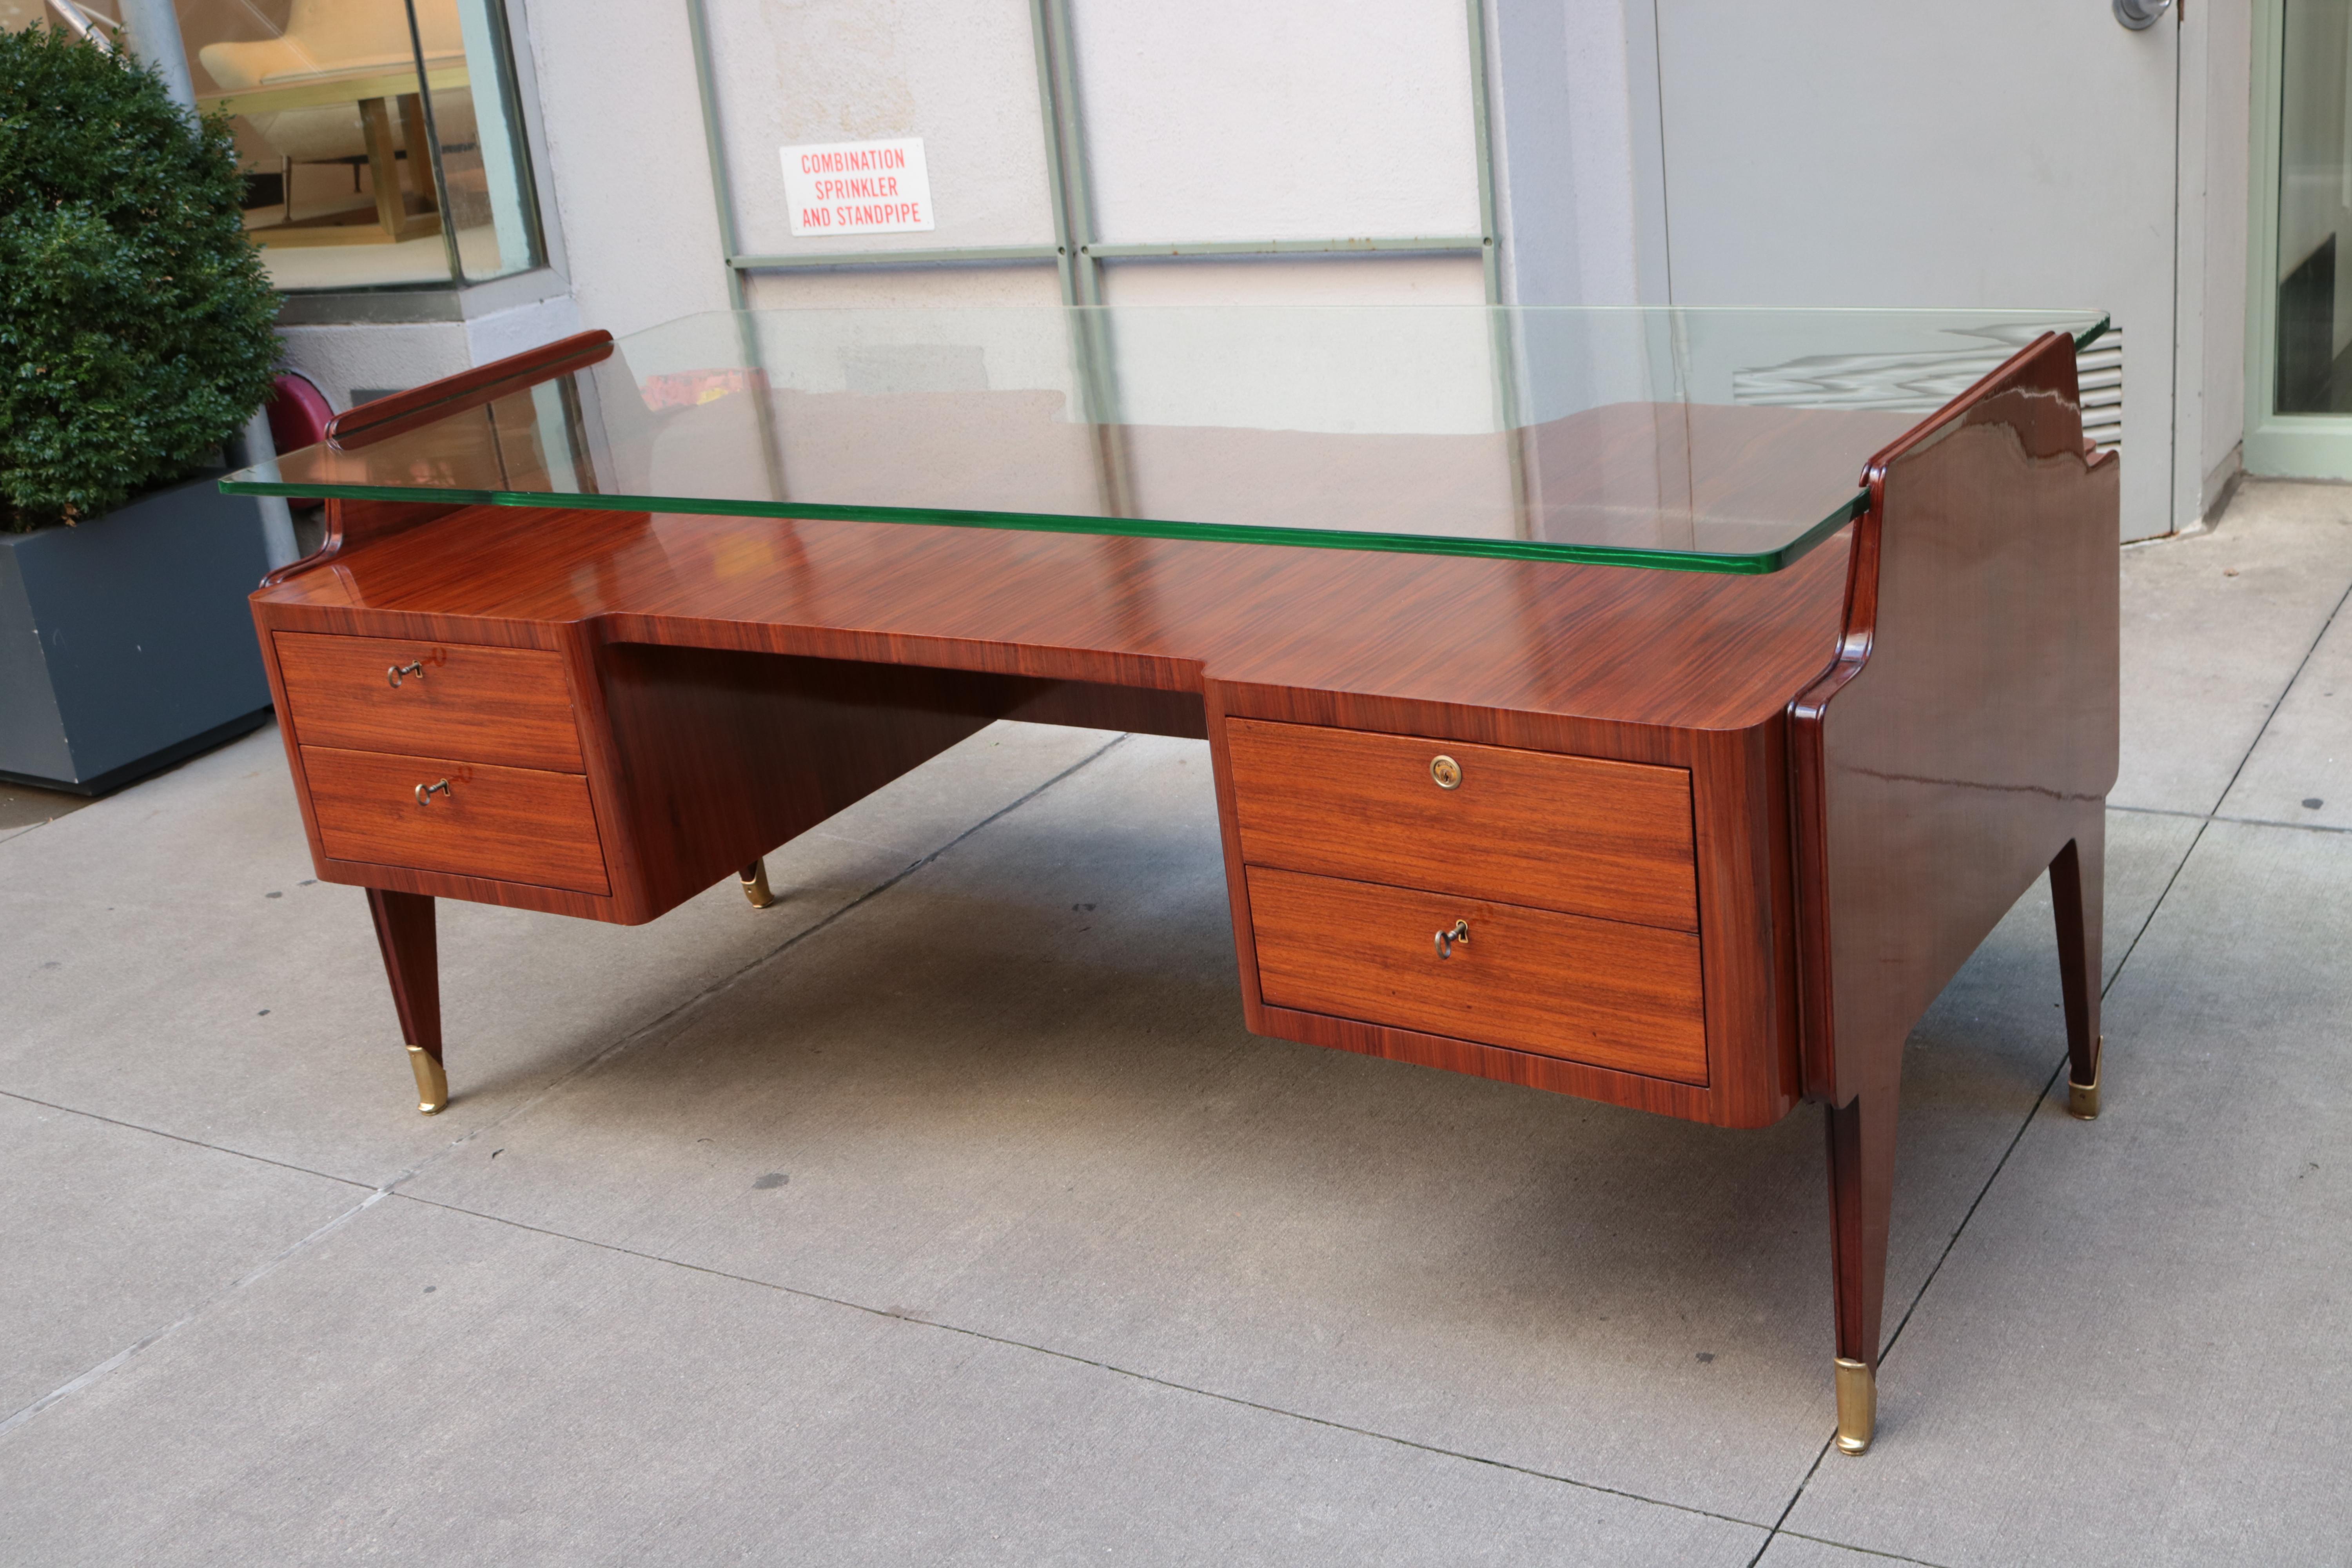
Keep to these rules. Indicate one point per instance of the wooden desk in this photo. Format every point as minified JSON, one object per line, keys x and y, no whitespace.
{"x":1703,"y":844}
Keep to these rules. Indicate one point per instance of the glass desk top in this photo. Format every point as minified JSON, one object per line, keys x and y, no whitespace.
{"x":1724,"y":440}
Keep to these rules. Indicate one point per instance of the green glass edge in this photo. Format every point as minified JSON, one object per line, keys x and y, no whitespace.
{"x":1758,"y":565}
{"x":1048,"y":522}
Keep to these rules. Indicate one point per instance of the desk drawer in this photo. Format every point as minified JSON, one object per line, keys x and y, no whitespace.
{"x":511,"y":824}
{"x":507,"y":705}
{"x":1551,"y":832}
{"x":1601,"y":992}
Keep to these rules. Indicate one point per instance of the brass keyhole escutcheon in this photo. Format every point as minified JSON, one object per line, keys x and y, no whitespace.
{"x":1446,"y":772}
{"x":1446,"y":940}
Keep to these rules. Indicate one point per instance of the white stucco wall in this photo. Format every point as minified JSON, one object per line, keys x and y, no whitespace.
{"x":2216,"y":126}
{"x":1287,"y":118}
{"x":625,"y":160}
{"x":1277,"y":118}
{"x":375,"y":357}
{"x":1310,"y":119}
{"x":1579,"y":182}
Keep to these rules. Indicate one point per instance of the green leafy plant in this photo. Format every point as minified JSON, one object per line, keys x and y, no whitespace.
{"x":135,"y":315}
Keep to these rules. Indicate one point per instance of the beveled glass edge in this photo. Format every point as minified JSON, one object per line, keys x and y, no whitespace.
{"x":1757,"y":565}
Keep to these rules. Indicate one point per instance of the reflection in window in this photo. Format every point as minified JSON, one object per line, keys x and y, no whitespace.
{"x":379,"y":137}
{"x":2314,"y":210}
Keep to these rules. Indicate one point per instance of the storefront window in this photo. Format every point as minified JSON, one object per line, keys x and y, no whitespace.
{"x":2314,"y":211}
{"x":380,"y":138}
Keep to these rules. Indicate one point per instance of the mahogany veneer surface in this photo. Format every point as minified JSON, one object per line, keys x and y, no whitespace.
{"x":517,"y":825}
{"x":1489,"y":641}
{"x":1574,"y":834}
{"x":1602,"y":992}
{"x":485,"y":704}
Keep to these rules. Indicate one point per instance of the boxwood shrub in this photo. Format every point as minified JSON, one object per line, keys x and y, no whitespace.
{"x":135,"y":315}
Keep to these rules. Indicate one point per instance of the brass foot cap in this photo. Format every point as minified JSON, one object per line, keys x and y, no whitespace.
{"x":754,"y":879}
{"x":1857,"y":1406}
{"x":432,"y":1081}
{"x":2083,"y":1099}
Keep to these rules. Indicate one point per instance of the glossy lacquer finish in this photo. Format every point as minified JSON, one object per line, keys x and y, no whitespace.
{"x":1618,"y":435}
{"x":1700,"y":844}
{"x":1574,"y":834}
{"x":1964,"y":741}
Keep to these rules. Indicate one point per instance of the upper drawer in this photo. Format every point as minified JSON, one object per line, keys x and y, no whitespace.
{"x":477,"y":704}
{"x":1552,"y":832}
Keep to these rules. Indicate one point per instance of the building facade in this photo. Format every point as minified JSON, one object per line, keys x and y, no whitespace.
{"x":617,"y":163}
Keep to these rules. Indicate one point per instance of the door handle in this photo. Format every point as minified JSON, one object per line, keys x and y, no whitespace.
{"x":2140,"y":14}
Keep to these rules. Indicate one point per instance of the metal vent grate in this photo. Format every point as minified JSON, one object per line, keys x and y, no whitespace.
{"x":1923,"y":383}
{"x":2100,"y":369}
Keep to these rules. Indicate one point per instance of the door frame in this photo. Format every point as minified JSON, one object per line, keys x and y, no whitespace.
{"x":2284,"y":445}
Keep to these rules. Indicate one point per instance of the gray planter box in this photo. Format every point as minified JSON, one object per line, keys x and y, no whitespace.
{"x":125,"y":643}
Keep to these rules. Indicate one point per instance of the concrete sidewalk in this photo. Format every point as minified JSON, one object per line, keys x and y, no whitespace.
{"x":945,"y":1213}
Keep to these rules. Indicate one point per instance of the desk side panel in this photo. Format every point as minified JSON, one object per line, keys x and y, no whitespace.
{"x":1968,"y":728}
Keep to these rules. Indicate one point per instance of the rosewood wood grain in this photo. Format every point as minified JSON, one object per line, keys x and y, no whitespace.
{"x":1504,"y":650}
{"x":473,"y":889}
{"x":1598,"y":992}
{"x":517,"y":824}
{"x":1746,"y":1089}
{"x":1572,"y":834}
{"x":453,"y":699}
{"x":1739,"y":783}
{"x":1527,"y":1070}
{"x":719,"y":757}
{"x":382,"y":417}
{"x":1529,"y":655}
{"x":351,"y":522}
{"x":405,"y":935}
{"x":2078,"y":883}
{"x":356,"y":522}
{"x":1965,"y":736}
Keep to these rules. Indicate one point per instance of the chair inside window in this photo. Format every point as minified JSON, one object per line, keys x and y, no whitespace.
{"x":328,"y":90}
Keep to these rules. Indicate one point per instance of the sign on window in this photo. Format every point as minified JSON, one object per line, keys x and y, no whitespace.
{"x":857,"y":187}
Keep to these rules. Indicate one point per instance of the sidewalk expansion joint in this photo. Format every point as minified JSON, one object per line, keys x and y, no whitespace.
{"x":1111,"y":1367}
{"x":183,"y":1137}
{"x":680,"y":1015}
{"x":124,"y":1355}
{"x":378,"y":1193}
{"x":1857,"y":1550}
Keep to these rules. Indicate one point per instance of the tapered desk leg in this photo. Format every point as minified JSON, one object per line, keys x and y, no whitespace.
{"x":2078,"y":884}
{"x":754,"y":879}
{"x":1862,"y":1198}
{"x":404,"y":930}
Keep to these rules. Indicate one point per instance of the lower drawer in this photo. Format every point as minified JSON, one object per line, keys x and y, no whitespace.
{"x":510,"y":825}
{"x":1600,"y":991}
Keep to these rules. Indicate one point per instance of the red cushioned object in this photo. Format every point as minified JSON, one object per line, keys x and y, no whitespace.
{"x":299,"y":414}
{"x":297,"y":418}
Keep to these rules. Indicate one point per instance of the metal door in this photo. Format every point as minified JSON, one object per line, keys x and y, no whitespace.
{"x":1998,"y":154}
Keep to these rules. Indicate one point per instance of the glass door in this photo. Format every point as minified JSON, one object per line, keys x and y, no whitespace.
{"x":2299,"y":358}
